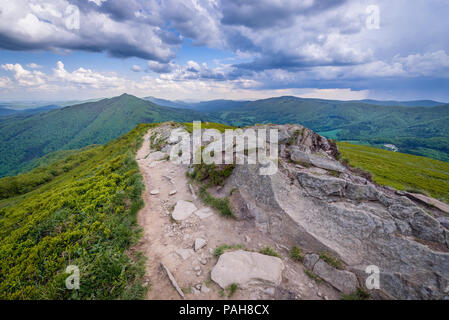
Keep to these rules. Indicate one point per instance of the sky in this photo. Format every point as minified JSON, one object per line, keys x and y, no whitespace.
{"x":224,"y":49}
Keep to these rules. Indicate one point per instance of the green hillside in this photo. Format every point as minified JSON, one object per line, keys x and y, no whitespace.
{"x":416,"y":130}
{"x":77,"y":211}
{"x":24,"y":139}
{"x":399,"y":170}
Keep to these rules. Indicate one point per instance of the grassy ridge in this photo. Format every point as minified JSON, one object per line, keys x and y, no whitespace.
{"x":208,"y":125}
{"x":77,"y":211}
{"x":399,"y":170}
{"x":24,"y":139}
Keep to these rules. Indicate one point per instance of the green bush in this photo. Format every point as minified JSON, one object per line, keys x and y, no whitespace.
{"x":221,"y":204}
{"x":232,"y":289}
{"x":296,"y":254}
{"x":313,"y":276}
{"x":224,"y":247}
{"x":332,"y":261}
{"x":215,"y":174}
{"x":359,"y":294}
{"x":269,"y":252}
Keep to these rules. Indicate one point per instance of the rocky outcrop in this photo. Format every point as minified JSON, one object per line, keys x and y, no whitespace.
{"x":429,"y":201}
{"x":239,"y":207}
{"x":342,"y":280}
{"x":247,"y":268}
{"x":316,"y":203}
{"x":322,"y":186}
{"x":319,"y":161}
{"x":357,"y":221}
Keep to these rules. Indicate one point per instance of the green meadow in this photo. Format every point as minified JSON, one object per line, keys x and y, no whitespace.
{"x":399,"y":170}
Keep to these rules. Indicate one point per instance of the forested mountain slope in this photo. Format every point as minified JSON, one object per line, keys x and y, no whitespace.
{"x":26,"y":138}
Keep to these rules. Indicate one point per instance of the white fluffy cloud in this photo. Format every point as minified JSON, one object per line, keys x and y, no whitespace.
{"x":87,"y":78}
{"x":25,"y":77}
{"x":34,"y":66}
{"x":60,"y":79}
{"x":427,"y":64}
{"x":4,"y":82}
{"x":136,"y":68}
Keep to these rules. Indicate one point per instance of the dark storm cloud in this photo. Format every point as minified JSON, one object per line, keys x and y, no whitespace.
{"x":129,"y":30}
{"x":257,"y":14}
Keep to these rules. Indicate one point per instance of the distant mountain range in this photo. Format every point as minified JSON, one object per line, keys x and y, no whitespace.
{"x":6,"y":111}
{"x":221,"y":105}
{"x":416,"y":130}
{"x":23,"y":139}
{"x":25,"y":112}
{"x":168,"y":103}
{"x":416,"y":103}
{"x":28,"y":105}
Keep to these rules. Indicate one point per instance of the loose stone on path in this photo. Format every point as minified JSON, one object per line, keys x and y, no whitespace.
{"x":199,"y":243}
{"x":204,"y":213}
{"x":183,"y":210}
{"x":172,"y":280}
{"x":184,"y":253}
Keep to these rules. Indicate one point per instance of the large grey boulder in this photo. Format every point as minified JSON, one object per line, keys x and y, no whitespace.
{"x":310,"y":260}
{"x":429,"y":201}
{"x":156,"y":156}
{"x":323,"y":186}
{"x":319,"y":161}
{"x":247,"y":268}
{"x":342,"y":280}
{"x":183,"y":210}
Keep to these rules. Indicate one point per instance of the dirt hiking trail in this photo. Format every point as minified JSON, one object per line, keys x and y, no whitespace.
{"x":169,"y":242}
